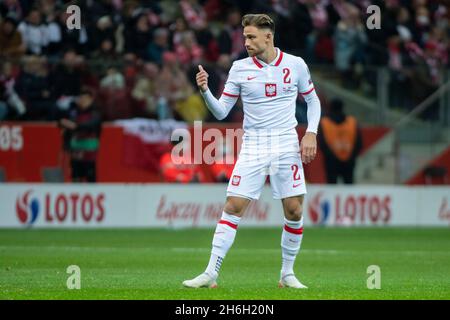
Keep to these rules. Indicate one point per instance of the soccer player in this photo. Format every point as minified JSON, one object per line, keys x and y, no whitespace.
{"x":268,"y":82}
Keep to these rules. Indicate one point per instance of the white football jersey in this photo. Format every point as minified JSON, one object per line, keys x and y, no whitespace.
{"x":269,"y":93}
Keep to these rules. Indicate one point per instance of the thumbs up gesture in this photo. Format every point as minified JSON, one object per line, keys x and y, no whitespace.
{"x":202,"y":79}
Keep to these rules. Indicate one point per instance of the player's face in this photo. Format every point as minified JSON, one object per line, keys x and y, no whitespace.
{"x":256,"y":40}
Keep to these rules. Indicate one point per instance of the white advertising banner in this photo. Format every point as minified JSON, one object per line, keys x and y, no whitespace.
{"x":179,"y":206}
{"x":433,"y":206}
{"x":199,"y":206}
{"x":67,"y":205}
{"x":361,"y":205}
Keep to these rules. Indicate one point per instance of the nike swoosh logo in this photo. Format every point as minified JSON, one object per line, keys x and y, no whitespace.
{"x":296,"y":185}
{"x":251,"y":78}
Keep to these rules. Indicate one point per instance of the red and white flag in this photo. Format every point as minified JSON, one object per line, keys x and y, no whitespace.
{"x":146,"y":140}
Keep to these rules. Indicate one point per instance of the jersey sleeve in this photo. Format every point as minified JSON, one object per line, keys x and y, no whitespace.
{"x":305,"y":84}
{"x":221,"y":107}
{"x":232,"y":88}
{"x":306,"y":88}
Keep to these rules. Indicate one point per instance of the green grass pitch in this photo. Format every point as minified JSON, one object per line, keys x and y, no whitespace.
{"x":152,"y":263}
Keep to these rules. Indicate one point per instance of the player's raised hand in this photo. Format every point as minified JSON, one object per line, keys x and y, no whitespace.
{"x":202,"y":79}
{"x":308,"y":147}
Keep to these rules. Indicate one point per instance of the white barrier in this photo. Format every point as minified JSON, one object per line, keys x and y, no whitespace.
{"x":165,"y":205}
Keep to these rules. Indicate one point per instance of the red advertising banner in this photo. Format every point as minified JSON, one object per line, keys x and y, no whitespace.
{"x":28,"y":149}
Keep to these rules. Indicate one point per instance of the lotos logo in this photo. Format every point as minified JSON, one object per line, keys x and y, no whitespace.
{"x":351,"y":209}
{"x":319,"y":209}
{"x":27,"y":210}
{"x":61,"y":208}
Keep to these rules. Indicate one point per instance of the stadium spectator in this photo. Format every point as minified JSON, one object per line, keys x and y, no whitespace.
{"x":66,"y":79}
{"x":400,"y":76}
{"x":105,"y":57}
{"x":319,"y":42}
{"x":13,"y":8}
{"x":34,"y":33}
{"x":95,"y":10}
{"x":12,"y":107}
{"x":350,"y":38}
{"x":124,"y":35}
{"x":214,"y":9}
{"x":188,"y":51}
{"x":186,"y":104}
{"x":130,"y":69}
{"x":158,"y":46}
{"x":294,"y":23}
{"x":178,"y":28}
{"x":207,"y":41}
{"x":427,"y":77}
{"x":147,"y":94}
{"x":138,"y":36}
{"x":422,"y":23}
{"x":101,"y":19}
{"x":193,"y":13}
{"x":47,"y":8}
{"x":230,"y":39}
{"x":404,"y":26}
{"x":11,"y":44}
{"x":340,"y":141}
{"x":219,"y":74}
{"x":113,"y":80}
{"x":104,"y":29}
{"x":34,"y":88}
{"x":115,"y":104}
{"x":82,"y":126}
{"x":62,"y":38}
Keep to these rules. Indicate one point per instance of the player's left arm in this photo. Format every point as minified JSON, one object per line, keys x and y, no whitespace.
{"x":308,"y":146}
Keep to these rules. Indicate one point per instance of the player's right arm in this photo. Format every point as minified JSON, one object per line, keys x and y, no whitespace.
{"x":219,"y":107}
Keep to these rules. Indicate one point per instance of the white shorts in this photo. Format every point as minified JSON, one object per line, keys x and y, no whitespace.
{"x":250,"y":172}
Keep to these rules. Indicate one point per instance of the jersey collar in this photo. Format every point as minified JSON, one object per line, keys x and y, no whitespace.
{"x":276,"y":62}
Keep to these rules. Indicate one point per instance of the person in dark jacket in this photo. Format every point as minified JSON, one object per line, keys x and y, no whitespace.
{"x":67,"y":77}
{"x":340,"y":141}
{"x":82,"y":128}
{"x":34,"y":88}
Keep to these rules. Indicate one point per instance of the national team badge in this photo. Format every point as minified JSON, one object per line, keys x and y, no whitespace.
{"x":236,"y":180}
{"x":271,"y":89}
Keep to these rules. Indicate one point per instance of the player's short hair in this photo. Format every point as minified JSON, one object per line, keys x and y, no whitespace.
{"x":261,"y":21}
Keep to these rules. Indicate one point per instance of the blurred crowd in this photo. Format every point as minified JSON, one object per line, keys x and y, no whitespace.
{"x":140,"y":57}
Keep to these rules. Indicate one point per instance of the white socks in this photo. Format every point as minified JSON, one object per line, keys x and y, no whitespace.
{"x":291,"y":240}
{"x":225,"y":233}
{"x":222,"y":242}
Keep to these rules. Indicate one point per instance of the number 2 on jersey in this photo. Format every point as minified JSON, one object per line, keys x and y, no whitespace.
{"x":287,"y":73}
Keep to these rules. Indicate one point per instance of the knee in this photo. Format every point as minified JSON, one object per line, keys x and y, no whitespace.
{"x":293,"y":210}
{"x":234,"y":207}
